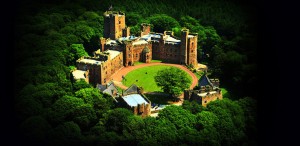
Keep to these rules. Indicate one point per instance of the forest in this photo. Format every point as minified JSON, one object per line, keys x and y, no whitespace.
{"x":52,"y":109}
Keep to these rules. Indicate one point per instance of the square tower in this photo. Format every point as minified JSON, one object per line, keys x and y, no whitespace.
{"x":114,"y":24}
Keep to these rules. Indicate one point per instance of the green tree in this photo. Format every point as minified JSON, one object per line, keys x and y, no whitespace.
{"x":231,"y":121}
{"x":207,"y":123}
{"x":94,"y":21}
{"x":162,"y":22}
{"x":133,"y":18}
{"x":192,"y":106}
{"x":67,"y":133}
{"x":162,"y":132}
{"x":63,"y":109}
{"x":189,"y":136}
{"x":93,"y":97}
{"x":36,"y":128}
{"x":27,"y":106}
{"x":133,"y":131}
{"x":84,"y":32}
{"x":117,"y":119}
{"x":249,"y":105}
{"x":172,"y":81}
{"x":177,"y":115}
{"x":191,"y":23}
{"x":77,"y":85}
{"x":76,"y":51}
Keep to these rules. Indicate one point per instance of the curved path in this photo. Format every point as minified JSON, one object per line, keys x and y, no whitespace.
{"x":117,"y":76}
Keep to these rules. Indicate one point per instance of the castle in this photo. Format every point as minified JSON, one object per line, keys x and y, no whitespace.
{"x":118,"y":49}
{"x":209,"y":91}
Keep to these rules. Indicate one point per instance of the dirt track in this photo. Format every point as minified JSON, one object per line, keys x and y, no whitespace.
{"x":117,"y":76}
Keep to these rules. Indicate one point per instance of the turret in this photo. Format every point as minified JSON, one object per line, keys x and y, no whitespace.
{"x":102,"y":44}
{"x":114,"y":23}
{"x":184,"y":45}
{"x":192,"y":49}
{"x":145,"y":29}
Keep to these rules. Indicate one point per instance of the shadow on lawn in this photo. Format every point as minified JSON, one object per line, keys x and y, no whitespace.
{"x":160,"y":97}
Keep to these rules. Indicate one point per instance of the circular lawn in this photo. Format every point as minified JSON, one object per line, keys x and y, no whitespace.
{"x":144,"y":77}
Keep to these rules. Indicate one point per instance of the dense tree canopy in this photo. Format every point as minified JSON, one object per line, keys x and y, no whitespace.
{"x":52,"y":109}
{"x":162,"y":23}
{"x":172,"y":81}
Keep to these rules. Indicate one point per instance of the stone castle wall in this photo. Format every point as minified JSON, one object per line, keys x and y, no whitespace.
{"x":191,"y":95}
{"x":101,"y":73}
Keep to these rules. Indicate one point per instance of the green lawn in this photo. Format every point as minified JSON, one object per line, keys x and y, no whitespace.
{"x":137,"y":63}
{"x":156,"y":61}
{"x":145,"y":77}
{"x":159,"y":98}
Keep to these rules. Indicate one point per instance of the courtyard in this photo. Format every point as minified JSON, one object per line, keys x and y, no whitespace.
{"x":144,"y":75}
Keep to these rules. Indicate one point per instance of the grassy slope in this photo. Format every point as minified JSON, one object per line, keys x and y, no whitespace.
{"x":145,"y":80}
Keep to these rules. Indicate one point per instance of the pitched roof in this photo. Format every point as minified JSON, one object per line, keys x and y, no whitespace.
{"x":134,"y":99}
{"x":101,"y":87}
{"x":107,"y":88}
{"x":111,"y":87}
{"x":132,"y":89}
{"x":204,"y":80}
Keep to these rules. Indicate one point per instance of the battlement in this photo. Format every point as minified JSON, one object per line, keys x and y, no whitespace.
{"x":109,"y":13}
{"x":169,"y":33}
{"x":203,"y":97}
{"x":184,"y":29}
{"x":192,"y":36}
{"x":145,"y":24}
{"x":90,"y":60}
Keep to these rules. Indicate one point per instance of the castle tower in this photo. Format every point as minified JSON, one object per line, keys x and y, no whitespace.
{"x":126,"y":32}
{"x":146,"y":55}
{"x":145,"y":29}
{"x":184,"y":46}
{"x":192,"y":49}
{"x":114,"y":23}
{"x":102,"y":44}
{"x":128,"y":55}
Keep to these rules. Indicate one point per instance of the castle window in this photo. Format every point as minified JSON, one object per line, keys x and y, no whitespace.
{"x":205,"y":101}
{"x":136,"y":55}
